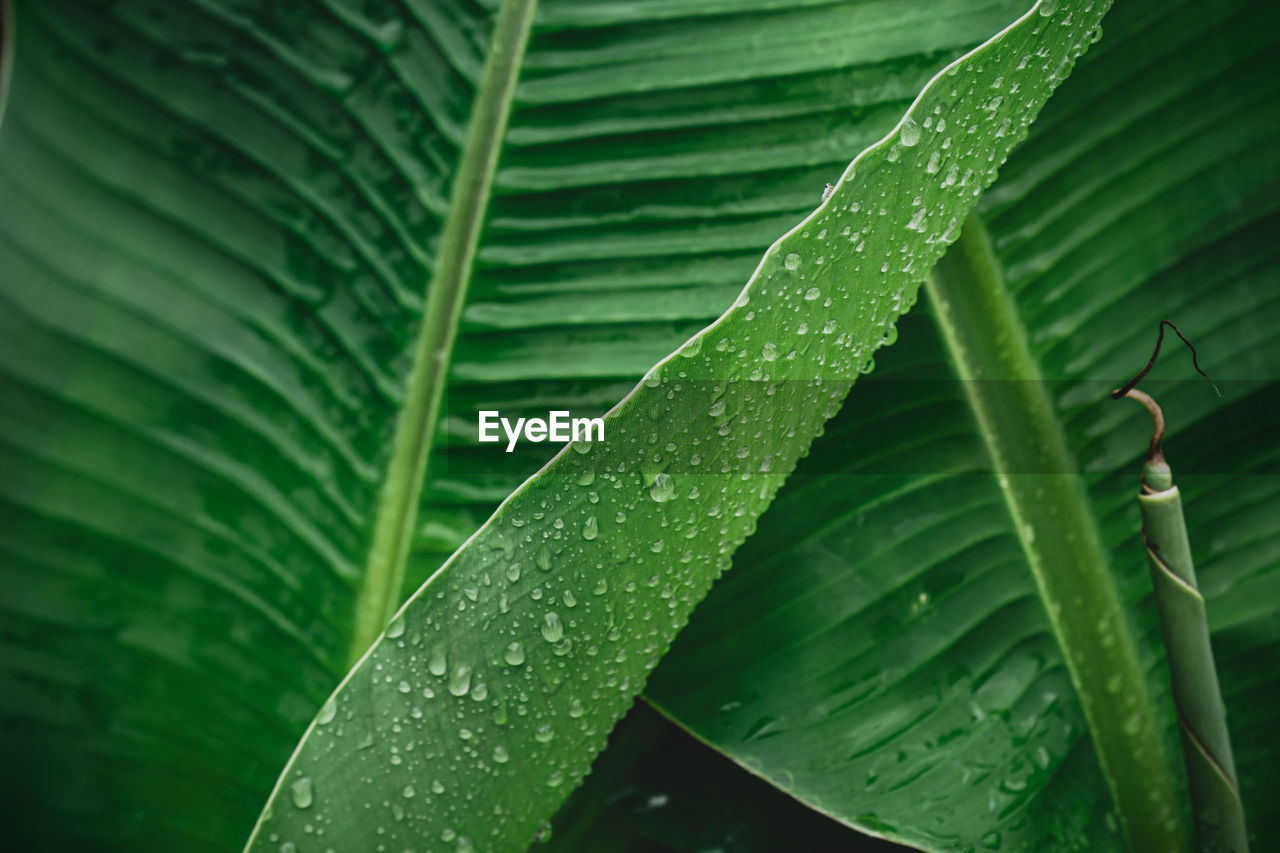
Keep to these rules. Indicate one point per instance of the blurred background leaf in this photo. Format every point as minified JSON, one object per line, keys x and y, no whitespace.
{"x":880,"y":642}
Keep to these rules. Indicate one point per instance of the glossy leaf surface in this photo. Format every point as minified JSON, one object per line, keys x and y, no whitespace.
{"x":499,"y":677}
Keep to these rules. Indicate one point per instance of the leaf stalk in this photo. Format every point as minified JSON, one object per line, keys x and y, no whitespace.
{"x":1059,"y":536}
{"x":381,"y":592}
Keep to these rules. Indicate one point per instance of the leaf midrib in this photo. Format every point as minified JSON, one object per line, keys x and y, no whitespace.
{"x":6,"y":53}
{"x":379,"y":594}
{"x":1058,"y":532}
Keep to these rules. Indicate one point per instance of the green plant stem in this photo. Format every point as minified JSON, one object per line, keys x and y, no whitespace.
{"x":6,"y":54}
{"x":1193,"y":678}
{"x":446,"y":294}
{"x":1046,"y":500}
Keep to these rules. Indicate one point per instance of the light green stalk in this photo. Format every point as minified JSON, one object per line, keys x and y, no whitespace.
{"x":1059,"y":535}
{"x":1202,"y":717}
{"x":398,"y":505}
{"x":6,"y":53}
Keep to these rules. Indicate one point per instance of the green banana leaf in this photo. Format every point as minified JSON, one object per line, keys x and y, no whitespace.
{"x":881,"y":643}
{"x":499,"y":677}
{"x":219,"y":221}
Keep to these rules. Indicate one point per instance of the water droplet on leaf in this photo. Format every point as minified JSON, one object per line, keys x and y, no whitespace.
{"x":301,"y":793}
{"x":460,"y":680}
{"x":663,"y":488}
{"x":910,"y":134}
{"x":552,"y":627}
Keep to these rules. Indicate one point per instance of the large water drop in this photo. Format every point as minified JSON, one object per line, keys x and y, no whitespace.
{"x":552,"y":627}
{"x":663,"y":488}
{"x":301,"y":793}
{"x":910,"y":134}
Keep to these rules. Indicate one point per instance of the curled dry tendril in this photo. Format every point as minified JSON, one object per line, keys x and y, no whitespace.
{"x":1124,"y":390}
{"x":1154,"y":453}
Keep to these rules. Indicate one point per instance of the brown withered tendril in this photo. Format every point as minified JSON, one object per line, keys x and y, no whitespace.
{"x":1195,"y":362}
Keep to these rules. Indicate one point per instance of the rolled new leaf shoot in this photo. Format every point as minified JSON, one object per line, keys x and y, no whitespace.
{"x":1202,"y":717}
